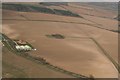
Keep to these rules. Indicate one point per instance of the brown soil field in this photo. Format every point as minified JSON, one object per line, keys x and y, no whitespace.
{"x":110,"y":24}
{"x":77,"y":52}
{"x":91,"y":10}
{"x":10,"y":14}
{"x":15,"y":66}
{"x":40,"y":16}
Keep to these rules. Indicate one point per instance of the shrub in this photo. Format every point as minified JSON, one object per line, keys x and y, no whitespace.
{"x":57,"y":36}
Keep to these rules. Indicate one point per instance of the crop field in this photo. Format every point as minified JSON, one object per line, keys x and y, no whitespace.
{"x":88,"y":45}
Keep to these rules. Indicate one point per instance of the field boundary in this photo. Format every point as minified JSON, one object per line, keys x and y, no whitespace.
{"x":44,"y":62}
{"x":117,"y":65}
{"x":92,"y":25}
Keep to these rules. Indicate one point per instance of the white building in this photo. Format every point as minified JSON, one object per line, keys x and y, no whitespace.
{"x":23,"y":47}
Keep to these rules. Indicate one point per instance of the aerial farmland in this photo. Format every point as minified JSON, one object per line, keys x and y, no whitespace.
{"x":65,"y":40}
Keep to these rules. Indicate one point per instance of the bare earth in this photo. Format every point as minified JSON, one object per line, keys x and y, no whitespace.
{"x":77,"y":52}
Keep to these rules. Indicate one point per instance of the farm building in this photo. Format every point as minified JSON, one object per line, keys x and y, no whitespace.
{"x":21,"y":45}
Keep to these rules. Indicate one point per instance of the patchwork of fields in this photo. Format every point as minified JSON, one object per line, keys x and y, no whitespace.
{"x":87,"y":49}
